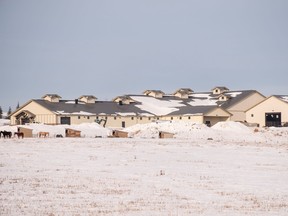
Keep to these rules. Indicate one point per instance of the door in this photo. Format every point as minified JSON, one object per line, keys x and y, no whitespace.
{"x":123,"y":124}
{"x":272,"y":119}
{"x":65,"y":120}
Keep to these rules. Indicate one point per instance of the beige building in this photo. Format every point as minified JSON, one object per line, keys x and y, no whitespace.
{"x":272,"y":111}
{"x":219,"y":104}
{"x":237,"y":102}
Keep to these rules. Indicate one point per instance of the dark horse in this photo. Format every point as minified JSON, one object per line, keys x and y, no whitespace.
{"x":19,"y":134}
{"x":6,"y":134}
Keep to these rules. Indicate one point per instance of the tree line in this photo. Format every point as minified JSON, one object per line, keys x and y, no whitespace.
{"x":9,"y":111}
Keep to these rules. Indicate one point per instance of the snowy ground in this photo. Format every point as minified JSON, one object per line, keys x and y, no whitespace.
{"x":238,"y":172}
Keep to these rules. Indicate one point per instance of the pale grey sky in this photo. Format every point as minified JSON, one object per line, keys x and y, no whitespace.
{"x":109,"y":47}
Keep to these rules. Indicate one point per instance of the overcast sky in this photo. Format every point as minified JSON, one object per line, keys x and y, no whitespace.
{"x":108,"y":48}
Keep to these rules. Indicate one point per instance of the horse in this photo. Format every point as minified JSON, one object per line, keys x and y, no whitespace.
{"x":43,"y":134}
{"x":19,"y":134}
{"x":6,"y":134}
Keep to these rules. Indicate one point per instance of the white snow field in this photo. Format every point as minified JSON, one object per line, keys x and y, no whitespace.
{"x":225,"y":170}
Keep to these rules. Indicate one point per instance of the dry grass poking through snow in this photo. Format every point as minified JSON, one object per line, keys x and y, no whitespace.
{"x":142,"y":177}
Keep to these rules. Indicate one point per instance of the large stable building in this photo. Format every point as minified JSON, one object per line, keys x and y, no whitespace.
{"x":272,"y":111}
{"x":219,"y":104}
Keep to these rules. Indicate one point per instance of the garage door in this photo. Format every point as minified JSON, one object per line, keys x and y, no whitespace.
{"x":273,"y":119}
{"x":65,"y":120}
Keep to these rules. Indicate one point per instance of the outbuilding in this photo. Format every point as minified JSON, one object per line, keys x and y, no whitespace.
{"x":118,"y":133}
{"x":72,"y":133}
{"x":163,"y":134}
{"x":273,"y":111}
{"x":26,"y":131}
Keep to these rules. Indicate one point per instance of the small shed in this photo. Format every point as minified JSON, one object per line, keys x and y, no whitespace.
{"x":163,"y":134}
{"x":117,"y":133}
{"x":72,"y":133}
{"x":26,"y":131}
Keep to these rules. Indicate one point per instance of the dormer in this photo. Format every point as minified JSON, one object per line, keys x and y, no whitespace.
{"x":123,"y":100}
{"x":223,"y":97}
{"x":87,"y":99}
{"x":154,"y":93}
{"x":52,"y":98}
{"x":183,"y":93}
{"x":219,"y":90}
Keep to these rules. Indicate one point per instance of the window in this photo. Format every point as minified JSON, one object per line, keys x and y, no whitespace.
{"x":252,"y":115}
{"x":149,"y":118}
{"x":189,"y":117}
{"x":88,"y":117}
{"x":140,"y":118}
{"x":180,"y":117}
{"x":79,"y":117}
{"x":115,"y":117}
{"x":132,"y":118}
{"x":171,"y":118}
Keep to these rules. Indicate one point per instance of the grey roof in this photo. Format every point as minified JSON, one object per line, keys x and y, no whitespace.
{"x":282,"y":97}
{"x":234,"y":100}
{"x":52,"y":95}
{"x":196,"y":103}
{"x":184,"y":91}
{"x":186,"y":110}
{"x":221,"y":88}
{"x":155,"y":91}
{"x":88,"y":96}
{"x":107,"y":107}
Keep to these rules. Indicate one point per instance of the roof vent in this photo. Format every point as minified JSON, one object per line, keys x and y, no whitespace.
{"x":52,"y":98}
{"x":219,"y":90}
{"x":154,"y":93}
{"x":183,"y":93}
{"x":87,"y":98}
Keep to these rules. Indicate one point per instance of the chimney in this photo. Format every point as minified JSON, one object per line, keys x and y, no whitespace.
{"x":76,"y":101}
{"x":120,"y":103}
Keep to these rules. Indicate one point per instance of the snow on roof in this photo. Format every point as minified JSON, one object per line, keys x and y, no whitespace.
{"x":126,"y":114}
{"x":74,"y":113}
{"x":156,"y":106}
{"x":73,"y":102}
{"x":203,"y":99}
{"x":203,"y":102}
{"x":284,"y":98}
{"x":234,"y":94}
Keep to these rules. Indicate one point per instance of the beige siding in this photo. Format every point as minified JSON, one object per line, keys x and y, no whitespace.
{"x":238,"y":116}
{"x":272,"y":104}
{"x":239,"y":109}
{"x":214,"y":120}
{"x":191,"y":118}
{"x":42,"y":114}
{"x":79,"y":119}
{"x":116,"y":121}
{"x":218,"y":112}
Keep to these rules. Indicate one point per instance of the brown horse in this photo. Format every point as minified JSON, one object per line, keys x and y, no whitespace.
{"x":6,"y":134}
{"x":19,"y":134}
{"x":43,"y":134}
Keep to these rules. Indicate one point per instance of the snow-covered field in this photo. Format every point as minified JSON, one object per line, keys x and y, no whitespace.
{"x":228,"y":169}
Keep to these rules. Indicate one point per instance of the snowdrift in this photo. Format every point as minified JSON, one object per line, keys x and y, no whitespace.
{"x":229,"y":131}
{"x":89,"y":130}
